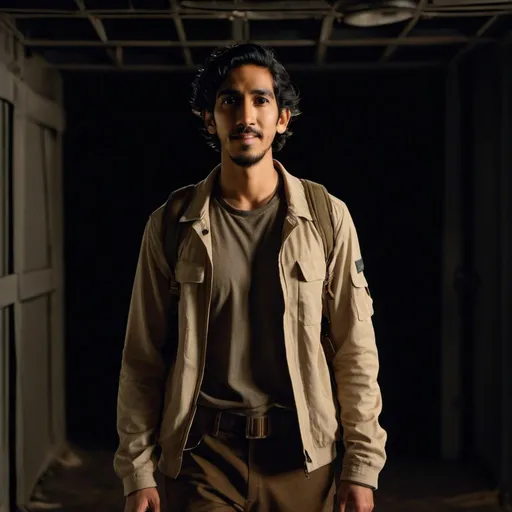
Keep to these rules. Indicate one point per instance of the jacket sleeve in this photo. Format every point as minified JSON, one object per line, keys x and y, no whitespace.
{"x":355,"y":362}
{"x":143,"y":367}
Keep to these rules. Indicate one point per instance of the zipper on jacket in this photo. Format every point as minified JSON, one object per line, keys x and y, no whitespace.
{"x":307,"y":459}
{"x":201,"y":376}
{"x":196,"y":396}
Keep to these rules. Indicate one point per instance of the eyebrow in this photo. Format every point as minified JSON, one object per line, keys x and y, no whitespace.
{"x":254,"y":92}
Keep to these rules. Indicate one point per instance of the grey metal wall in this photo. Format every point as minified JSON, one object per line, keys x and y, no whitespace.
{"x":31,"y":290}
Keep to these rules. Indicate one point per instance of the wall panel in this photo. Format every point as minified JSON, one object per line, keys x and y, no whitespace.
{"x":32,"y":426}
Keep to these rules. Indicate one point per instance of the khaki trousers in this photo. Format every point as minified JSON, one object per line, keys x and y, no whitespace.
{"x":229,"y":473}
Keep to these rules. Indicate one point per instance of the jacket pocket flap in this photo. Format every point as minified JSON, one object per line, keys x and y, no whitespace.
{"x":358,"y":278}
{"x":189,"y":272}
{"x":311,"y":269}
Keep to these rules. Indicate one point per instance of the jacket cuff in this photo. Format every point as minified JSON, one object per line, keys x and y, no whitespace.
{"x":136,"y":482}
{"x":361,"y":475}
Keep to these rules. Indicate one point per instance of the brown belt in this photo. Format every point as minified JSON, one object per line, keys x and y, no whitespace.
{"x":276,"y":422}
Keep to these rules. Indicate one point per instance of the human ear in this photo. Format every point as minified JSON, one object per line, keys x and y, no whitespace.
{"x":283,"y":120}
{"x":209,"y":122}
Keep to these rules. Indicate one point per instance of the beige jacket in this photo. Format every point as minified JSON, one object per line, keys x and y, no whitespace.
{"x":156,"y":405}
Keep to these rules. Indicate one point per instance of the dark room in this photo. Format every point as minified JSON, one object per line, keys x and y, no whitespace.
{"x":255,"y":255}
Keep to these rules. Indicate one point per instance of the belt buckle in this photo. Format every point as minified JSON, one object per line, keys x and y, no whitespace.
{"x":256,"y":427}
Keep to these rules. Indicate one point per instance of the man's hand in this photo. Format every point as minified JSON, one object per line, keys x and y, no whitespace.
{"x":143,"y":500}
{"x":354,"y":498}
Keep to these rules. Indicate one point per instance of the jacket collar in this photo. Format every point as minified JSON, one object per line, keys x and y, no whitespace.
{"x":294,"y":193}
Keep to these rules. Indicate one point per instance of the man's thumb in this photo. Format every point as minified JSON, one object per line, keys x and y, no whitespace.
{"x":142,"y":506}
{"x":341,"y":499}
{"x":155,"y":504}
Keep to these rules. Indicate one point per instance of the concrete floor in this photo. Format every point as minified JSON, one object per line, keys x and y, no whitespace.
{"x":85,"y":482}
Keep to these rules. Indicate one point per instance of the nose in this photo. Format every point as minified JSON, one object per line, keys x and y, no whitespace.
{"x":246,"y":113}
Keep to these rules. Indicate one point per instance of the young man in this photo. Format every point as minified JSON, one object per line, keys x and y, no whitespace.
{"x":241,"y":405}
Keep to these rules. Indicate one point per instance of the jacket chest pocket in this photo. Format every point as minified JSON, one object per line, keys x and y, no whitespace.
{"x":189,"y":276}
{"x":189,"y":272}
{"x":311,"y":275}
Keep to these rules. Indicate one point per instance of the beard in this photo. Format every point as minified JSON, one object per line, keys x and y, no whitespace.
{"x":248,"y":160}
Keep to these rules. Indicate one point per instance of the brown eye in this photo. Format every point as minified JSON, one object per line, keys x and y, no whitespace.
{"x":261,"y":100}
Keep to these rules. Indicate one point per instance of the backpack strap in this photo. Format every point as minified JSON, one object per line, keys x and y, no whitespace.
{"x":320,"y":206}
{"x":172,"y":229}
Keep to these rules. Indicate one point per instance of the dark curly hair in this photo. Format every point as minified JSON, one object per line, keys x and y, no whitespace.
{"x":209,"y":79}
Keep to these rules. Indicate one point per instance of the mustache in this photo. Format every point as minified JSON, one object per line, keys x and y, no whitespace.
{"x":245,"y":131}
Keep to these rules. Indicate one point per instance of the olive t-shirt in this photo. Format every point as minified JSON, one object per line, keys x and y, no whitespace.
{"x":246,"y":369}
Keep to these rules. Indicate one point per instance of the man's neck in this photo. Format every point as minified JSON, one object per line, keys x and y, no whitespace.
{"x":248,"y":188}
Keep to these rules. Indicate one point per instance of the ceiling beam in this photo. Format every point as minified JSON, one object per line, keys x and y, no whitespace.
{"x":239,"y":25}
{"x":115,"y":55}
{"x":249,"y":15}
{"x":318,"y":7}
{"x":391,"y":49}
{"x":480,"y":33}
{"x":157,"y":14}
{"x":326,"y":32}
{"x":409,"y":41}
{"x":239,"y":29}
{"x":325,"y":35}
{"x":180,"y":30}
{"x":208,"y":43}
{"x":348,"y":66}
{"x":377,"y":41}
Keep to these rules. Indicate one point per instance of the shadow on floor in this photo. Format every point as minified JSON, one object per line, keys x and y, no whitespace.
{"x":85,"y":482}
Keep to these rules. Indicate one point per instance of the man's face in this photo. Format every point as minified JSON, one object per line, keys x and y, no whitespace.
{"x":246,"y":116}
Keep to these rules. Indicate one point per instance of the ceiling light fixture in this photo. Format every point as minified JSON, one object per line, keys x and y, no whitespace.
{"x":375,"y":13}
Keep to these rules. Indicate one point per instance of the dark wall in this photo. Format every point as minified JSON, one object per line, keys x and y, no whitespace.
{"x":486,"y":86}
{"x":375,"y":140}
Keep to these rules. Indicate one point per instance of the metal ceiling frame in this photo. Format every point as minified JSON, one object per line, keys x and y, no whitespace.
{"x":180,"y":29}
{"x":99,"y":28}
{"x":240,"y":20}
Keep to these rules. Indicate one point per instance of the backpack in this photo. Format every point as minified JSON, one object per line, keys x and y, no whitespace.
{"x":320,"y":206}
